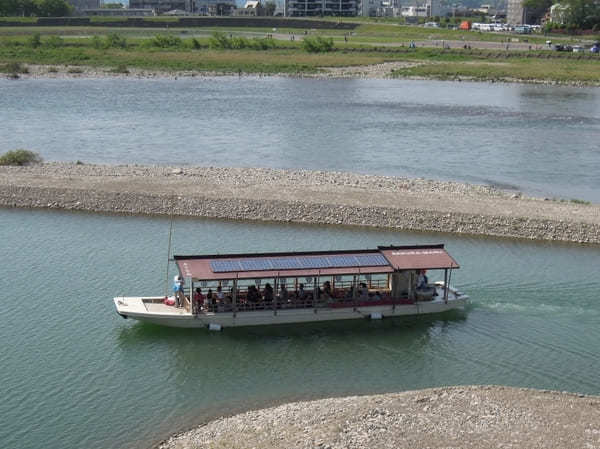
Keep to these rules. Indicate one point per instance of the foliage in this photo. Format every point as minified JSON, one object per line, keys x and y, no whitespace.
{"x":97,"y":42}
{"x":195,"y":43}
{"x":581,"y":14}
{"x":34,"y":41}
{"x":165,"y":41}
{"x":317,"y":44}
{"x":54,"y":42}
{"x":219,"y":41}
{"x":41,"y":8}
{"x":113,"y":5}
{"x":114,"y":40}
{"x":20,"y":157}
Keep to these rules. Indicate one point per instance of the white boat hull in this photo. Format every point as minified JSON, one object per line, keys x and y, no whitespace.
{"x":138,"y":308}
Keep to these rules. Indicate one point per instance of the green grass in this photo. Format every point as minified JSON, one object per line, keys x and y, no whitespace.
{"x":169,"y":52}
{"x":498,"y":68}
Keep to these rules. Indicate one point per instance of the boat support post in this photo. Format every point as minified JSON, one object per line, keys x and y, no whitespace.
{"x":234,"y":298}
{"x":446,"y":285}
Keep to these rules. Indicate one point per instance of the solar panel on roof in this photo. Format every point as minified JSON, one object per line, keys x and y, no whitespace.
{"x":371,"y":260}
{"x":285,"y":263}
{"x":256,"y":264}
{"x":219,"y":266}
{"x":342,"y":261}
{"x":301,"y":262}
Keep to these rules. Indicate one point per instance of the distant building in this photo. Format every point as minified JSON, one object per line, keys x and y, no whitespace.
{"x":304,"y":8}
{"x":213,"y":7}
{"x":161,"y":6}
{"x":252,"y":8}
{"x":516,"y":13}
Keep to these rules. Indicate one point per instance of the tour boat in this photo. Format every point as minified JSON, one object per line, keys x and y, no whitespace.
{"x":217,"y":291}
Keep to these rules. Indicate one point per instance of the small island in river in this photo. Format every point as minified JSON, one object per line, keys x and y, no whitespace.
{"x":299,"y":196}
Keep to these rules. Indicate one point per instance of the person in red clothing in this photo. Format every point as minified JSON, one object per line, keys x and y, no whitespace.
{"x":198,"y":299}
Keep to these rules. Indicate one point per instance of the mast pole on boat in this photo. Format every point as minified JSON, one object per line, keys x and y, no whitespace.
{"x":169,"y":251}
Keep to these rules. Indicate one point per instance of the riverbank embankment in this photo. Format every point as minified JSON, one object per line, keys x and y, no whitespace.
{"x":472,"y":417}
{"x":300,"y":196}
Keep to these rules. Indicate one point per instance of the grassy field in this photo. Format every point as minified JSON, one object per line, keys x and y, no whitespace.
{"x":138,"y":49}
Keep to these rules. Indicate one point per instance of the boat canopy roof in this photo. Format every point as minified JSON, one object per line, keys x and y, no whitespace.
{"x":384,"y":259}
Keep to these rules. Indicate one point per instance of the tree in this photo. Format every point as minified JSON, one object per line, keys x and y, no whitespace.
{"x":580,"y":13}
{"x":53,"y":8}
{"x":113,"y":5}
{"x":44,"y":8}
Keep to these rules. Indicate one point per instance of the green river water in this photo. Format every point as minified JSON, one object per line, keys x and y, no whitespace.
{"x":74,"y":374}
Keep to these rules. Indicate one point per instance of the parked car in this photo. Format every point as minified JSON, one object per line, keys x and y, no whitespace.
{"x":578,"y":49}
{"x":595,"y":48}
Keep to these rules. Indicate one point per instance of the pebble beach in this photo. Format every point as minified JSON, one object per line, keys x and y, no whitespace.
{"x":299,"y":196}
{"x":471,"y":417}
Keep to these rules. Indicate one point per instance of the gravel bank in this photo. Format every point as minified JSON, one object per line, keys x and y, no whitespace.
{"x":301,"y":196}
{"x":453,"y":417}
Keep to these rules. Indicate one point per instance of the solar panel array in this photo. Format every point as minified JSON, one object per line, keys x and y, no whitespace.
{"x":298,"y":263}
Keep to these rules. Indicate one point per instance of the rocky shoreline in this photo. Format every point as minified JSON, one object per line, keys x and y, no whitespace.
{"x":299,"y":196}
{"x":374,"y":71}
{"x":469,"y":417}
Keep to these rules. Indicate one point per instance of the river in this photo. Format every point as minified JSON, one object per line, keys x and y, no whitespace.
{"x":74,"y":374}
{"x":542,"y":140}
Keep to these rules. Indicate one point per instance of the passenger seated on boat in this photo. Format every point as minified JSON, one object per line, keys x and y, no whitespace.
{"x":422,"y":280}
{"x":268,"y":293}
{"x":198,"y":298}
{"x":283,"y":294}
{"x":350,"y":293}
{"x":363,"y":291}
{"x":211,"y":298}
{"x":253,"y":295}
{"x":220,"y":294}
{"x":326,"y":292}
{"x":377,"y":296}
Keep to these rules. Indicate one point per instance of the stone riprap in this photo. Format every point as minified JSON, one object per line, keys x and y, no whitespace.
{"x":300,"y":196}
{"x":469,"y":417}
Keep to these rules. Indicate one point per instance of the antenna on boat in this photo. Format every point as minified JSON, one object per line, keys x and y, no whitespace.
{"x":169,"y":250}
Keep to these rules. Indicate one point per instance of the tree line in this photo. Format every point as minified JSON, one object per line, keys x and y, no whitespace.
{"x":39,"y":8}
{"x":581,"y":14}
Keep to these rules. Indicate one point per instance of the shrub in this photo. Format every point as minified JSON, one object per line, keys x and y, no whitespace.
{"x":114,"y":40}
{"x":196,"y":44}
{"x":34,"y":41}
{"x":75,"y":70}
{"x":165,"y":41}
{"x":317,"y":44}
{"x":262,"y":44}
{"x":97,"y":43}
{"x":20,"y":157}
{"x":219,"y":41}
{"x":54,"y":42}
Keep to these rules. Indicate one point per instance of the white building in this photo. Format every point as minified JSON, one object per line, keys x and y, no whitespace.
{"x":305,"y":8}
